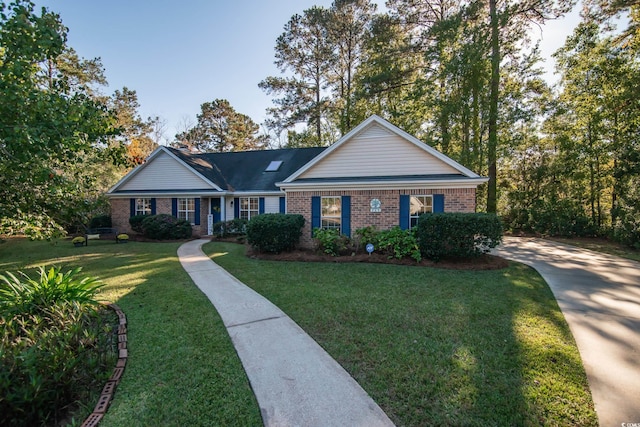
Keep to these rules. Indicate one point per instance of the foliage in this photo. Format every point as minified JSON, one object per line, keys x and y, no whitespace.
{"x":165,"y":227}
{"x":50,"y":358}
{"x":51,"y":342}
{"x":275,"y":232}
{"x":136,"y":223}
{"x":330,"y":241}
{"x":365,"y":235}
{"x":234,"y":227}
{"x":398,"y":243}
{"x":35,"y":296}
{"x":51,"y":125}
{"x":221,"y":128}
{"x":564,"y":218}
{"x":457,"y":234}
{"x":101,"y":221}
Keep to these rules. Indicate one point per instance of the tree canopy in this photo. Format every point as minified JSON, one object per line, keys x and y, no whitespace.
{"x":465,"y":77}
{"x":221,"y":128}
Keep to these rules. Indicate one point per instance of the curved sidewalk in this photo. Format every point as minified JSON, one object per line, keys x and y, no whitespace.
{"x":599,"y":295}
{"x":295,"y":381}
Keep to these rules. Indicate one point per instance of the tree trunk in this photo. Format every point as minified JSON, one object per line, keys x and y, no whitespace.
{"x":492,"y":197}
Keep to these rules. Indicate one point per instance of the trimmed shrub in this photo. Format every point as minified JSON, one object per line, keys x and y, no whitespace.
{"x":100,"y":221}
{"x":235,"y":227}
{"x":166,"y":227}
{"x":457,"y":234}
{"x":136,"y":222}
{"x":275,"y":232}
{"x":330,"y":241}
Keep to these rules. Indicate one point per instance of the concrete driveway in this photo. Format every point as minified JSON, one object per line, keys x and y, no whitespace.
{"x":599,"y":296}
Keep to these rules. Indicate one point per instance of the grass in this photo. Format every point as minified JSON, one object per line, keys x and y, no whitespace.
{"x":182,"y":368}
{"x":433,"y":346}
{"x":601,"y":245}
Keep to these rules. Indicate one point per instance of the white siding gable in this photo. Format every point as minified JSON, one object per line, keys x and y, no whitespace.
{"x":165,"y":173}
{"x":376,"y":151}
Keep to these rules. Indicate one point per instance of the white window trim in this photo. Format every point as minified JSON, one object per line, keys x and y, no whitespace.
{"x":144,"y":207}
{"x":250,"y":212}
{"x":411,"y":217}
{"x":336,"y":218}
{"x":188,"y":214}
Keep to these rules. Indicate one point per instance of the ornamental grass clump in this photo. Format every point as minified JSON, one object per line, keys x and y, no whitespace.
{"x":55,"y":344}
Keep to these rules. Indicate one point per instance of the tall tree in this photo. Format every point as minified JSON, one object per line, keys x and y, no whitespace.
{"x":47,"y":127}
{"x":135,"y":132}
{"x":303,"y":50}
{"x":220,"y":128}
{"x":348,"y":28}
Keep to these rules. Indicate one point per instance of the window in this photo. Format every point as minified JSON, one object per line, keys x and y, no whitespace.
{"x":187,"y":209}
{"x":249,"y":207}
{"x":143,"y":207}
{"x":418,"y":206}
{"x":331,"y":213}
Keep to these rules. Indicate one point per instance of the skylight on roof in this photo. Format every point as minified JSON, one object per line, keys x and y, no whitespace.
{"x":273,"y":166}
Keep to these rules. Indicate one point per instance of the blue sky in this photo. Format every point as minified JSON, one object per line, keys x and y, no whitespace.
{"x":178,"y":55}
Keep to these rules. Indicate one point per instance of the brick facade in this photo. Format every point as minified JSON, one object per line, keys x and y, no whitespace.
{"x":121,"y":209}
{"x":455,"y":200}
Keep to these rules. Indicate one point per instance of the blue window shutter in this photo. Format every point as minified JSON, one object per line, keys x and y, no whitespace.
{"x":174,"y":207}
{"x":261,"y":205}
{"x":132,"y":207}
{"x":153,"y":206}
{"x":283,"y":205}
{"x":196,"y":219}
{"x":236,"y":207}
{"x":315,"y":213}
{"x":346,"y":216}
{"x":438,"y":203}
{"x":405,"y":200}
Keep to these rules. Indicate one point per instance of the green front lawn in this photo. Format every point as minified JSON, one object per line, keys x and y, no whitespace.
{"x":182,"y":368}
{"x":433,"y":346}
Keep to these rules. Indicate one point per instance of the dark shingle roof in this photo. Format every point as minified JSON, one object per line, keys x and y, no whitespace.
{"x":245,"y":170}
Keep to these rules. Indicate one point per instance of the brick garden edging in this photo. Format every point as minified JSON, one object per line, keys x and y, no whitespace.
{"x":110,"y":388}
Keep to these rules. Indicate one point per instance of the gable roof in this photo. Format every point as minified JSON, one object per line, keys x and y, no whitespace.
{"x":243,"y":171}
{"x":376,"y":154}
{"x":450,"y":165}
{"x":246,"y":170}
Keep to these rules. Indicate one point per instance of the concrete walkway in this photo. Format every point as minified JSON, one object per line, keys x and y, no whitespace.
{"x":295,"y":381}
{"x":599,"y":296}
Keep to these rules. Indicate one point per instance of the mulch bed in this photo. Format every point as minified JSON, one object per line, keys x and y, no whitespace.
{"x":483,"y":262}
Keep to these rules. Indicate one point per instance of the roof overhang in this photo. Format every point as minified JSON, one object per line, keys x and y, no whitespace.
{"x":376,"y":184}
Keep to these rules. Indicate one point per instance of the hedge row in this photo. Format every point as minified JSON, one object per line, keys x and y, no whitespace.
{"x":161,"y":227}
{"x":275,"y":232}
{"x":457,"y":234}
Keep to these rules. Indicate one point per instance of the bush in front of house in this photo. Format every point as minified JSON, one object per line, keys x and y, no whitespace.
{"x":234,"y":227}
{"x":100,"y":221}
{"x":54,"y":345}
{"x":165,"y":227}
{"x":330,"y":241}
{"x":275,"y":232}
{"x":399,"y":243}
{"x":460,"y":235}
{"x":136,"y":222}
